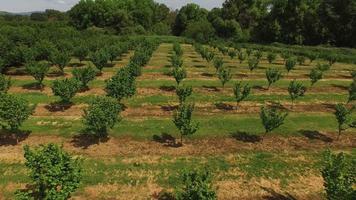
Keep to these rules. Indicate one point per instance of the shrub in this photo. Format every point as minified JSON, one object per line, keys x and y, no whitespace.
{"x":258,"y":54}
{"x":323,"y":67}
{"x":301,"y":60}
{"x":176,"y":61}
{"x":102,"y":114}
{"x":352,"y":92}
{"x":66,"y":89}
{"x":296,"y":90}
{"x":290,"y":64}
{"x":224,"y":75}
{"x":60,"y":59}
{"x":54,"y":173}
{"x":343,"y":117}
{"x":232,"y":53}
{"x":285,"y":56}
{"x":134,"y":69}
{"x":183,"y":92}
{"x":38,"y":70}
{"x":338,"y":173}
{"x":197,"y":185}
{"x":14,"y":111}
{"x":178,"y":49}
{"x":5,"y":84}
{"x":122,"y":85}
{"x":271,"y":57}
{"x":241,"y":56}
{"x":183,"y":120}
{"x":312,"y":57}
{"x":249,"y":52}
{"x":84,"y":75}
{"x":353,"y":74}
{"x":315,"y":75}
{"x":112,"y":51}
{"x":218,"y":63}
{"x":179,"y":74}
{"x":99,"y":59}
{"x":253,"y":63}
{"x":224,"y":50}
{"x":272,"y":118}
{"x":209,"y":56}
{"x":331,"y":58}
{"x":81,"y":52}
{"x":241,"y":92}
{"x":272,"y":75}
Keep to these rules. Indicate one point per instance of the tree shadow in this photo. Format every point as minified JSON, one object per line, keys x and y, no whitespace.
{"x":58,"y":107}
{"x":223,"y":106}
{"x":76,"y":64}
{"x":207,"y":74}
{"x":32,"y":86}
{"x":85,"y":140}
{"x":169,"y":108}
{"x":273,"y":195}
{"x":315,"y":135}
{"x":246,"y":137}
{"x":167,"y":66}
{"x":8,"y":138}
{"x":16,"y":72}
{"x":199,"y":66}
{"x":259,"y":87}
{"x":167,"y":88}
{"x":167,"y":140}
{"x":55,"y":74}
{"x":340,"y":86}
{"x":110,"y":65}
{"x":277,"y":105}
{"x":211,"y":88}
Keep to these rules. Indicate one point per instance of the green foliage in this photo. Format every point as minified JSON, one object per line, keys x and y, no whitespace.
{"x":84,"y":75}
{"x":66,"y":89}
{"x":253,"y":63}
{"x":339,"y":176}
{"x":323,"y":67}
{"x":241,"y":56}
{"x":241,"y":92}
{"x":176,"y":61}
{"x":272,"y":118}
{"x":135,"y":69}
{"x":81,"y":52}
{"x":113,"y":51}
{"x":301,"y":60}
{"x":285,"y":56}
{"x":38,"y":70}
{"x":5,"y":84}
{"x":44,"y":49}
{"x":290,"y":64}
{"x":14,"y":111}
{"x":201,"y":31}
{"x":178,"y":49}
{"x":197,"y":185}
{"x":122,"y":85}
{"x":232,"y":53}
{"x":54,"y":173}
{"x":224,"y":50}
{"x":343,"y":117}
{"x":332,"y":58}
{"x":271,"y":57}
{"x":100,"y":59}
{"x":249,"y":52}
{"x":182,"y":119}
{"x":102,"y":114}
{"x":273,"y":75}
{"x":209,"y":56}
{"x":353,"y":74}
{"x":258,"y":54}
{"x":352,"y":91}
{"x":179,"y":74}
{"x":296,"y":90}
{"x":60,"y":59}
{"x":315,"y":75}
{"x":218,"y":63}
{"x":224,"y":75}
{"x":312,"y":56}
{"x":183,"y":92}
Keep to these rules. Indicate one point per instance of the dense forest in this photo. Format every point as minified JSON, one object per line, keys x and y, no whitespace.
{"x":303,"y":22}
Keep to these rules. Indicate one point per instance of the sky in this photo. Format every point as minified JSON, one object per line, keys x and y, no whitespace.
{"x":64,"y":5}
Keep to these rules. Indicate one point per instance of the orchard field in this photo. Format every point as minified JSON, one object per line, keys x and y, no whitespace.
{"x":140,"y":157}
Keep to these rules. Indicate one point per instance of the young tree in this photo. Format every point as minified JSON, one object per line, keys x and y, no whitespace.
{"x":99,"y":59}
{"x":179,"y":74}
{"x":14,"y":111}
{"x":54,"y":173}
{"x":343,"y":117}
{"x":253,"y":63}
{"x":332,"y":59}
{"x":209,"y":56}
{"x":301,"y":60}
{"x":352,"y":92}
{"x":273,"y":75}
{"x":224,"y":50}
{"x":38,"y":70}
{"x":81,"y":52}
{"x":122,"y":85}
{"x":232,"y":53}
{"x":272,"y":118}
{"x":60,"y":59}
{"x":113,"y":51}
{"x":258,"y":54}
{"x":183,"y":120}
{"x":84,"y":75}
{"x":197,"y":185}
{"x":224,"y":75}
{"x":66,"y":89}
{"x":339,"y":176}
{"x":315,"y":75}
{"x":290,"y":64}
{"x":271,"y":57}
{"x":312,"y":57}
{"x":353,"y":74}
{"x":285,"y":56}
{"x":176,"y":61}
{"x":241,"y":56}
{"x":101,"y":115}
{"x":183,"y":92}
{"x":5,"y":84}
{"x":296,"y":90}
{"x":218,"y":63}
{"x":178,"y":49}
{"x":241,"y":92}
{"x":323,"y":67}
{"x":249,"y":52}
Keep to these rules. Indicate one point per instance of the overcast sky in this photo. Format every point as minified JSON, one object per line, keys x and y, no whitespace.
{"x":63,"y":5}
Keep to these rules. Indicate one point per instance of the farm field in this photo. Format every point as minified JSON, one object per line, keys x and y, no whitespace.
{"x":137,"y":161}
